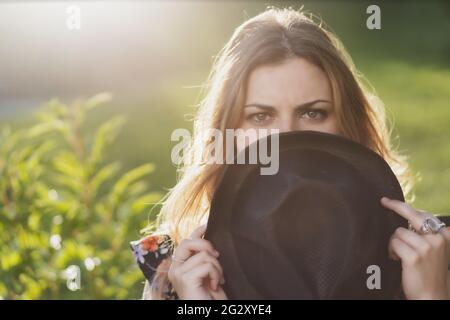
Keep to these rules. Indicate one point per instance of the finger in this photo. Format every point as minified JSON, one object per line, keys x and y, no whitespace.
{"x":403,"y":251}
{"x":437,"y":241}
{"x":198,"y":232}
{"x":200,"y":258}
{"x":404,"y":210}
{"x":445,"y":232}
{"x":219,"y":294}
{"x":392,"y":254}
{"x":188,"y":247}
{"x":415,"y":241}
{"x":203,"y":271}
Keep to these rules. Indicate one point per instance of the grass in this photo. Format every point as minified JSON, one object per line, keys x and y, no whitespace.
{"x":417,"y":99}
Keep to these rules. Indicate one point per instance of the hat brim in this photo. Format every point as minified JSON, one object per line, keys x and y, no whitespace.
{"x":372,"y":167}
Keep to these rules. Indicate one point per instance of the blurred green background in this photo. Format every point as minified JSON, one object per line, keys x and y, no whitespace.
{"x":153,"y":57}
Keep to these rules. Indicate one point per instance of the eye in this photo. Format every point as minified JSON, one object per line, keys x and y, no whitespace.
{"x":314,"y":114}
{"x":259,"y":117}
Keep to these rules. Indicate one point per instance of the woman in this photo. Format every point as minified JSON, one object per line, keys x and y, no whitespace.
{"x":281,"y":70}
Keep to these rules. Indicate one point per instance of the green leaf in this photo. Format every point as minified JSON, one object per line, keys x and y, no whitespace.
{"x":104,"y":136}
{"x":97,"y":100}
{"x":105,"y":173}
{"x":9,"y":260}
{"x":120,"y":187}
{"x":67,"y":163}
{"x":46,"y":127}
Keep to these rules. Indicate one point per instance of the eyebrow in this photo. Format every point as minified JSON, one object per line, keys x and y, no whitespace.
{"x":298,"y":107}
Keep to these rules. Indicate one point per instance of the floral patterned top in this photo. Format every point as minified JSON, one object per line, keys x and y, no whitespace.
{"x":153,"y":253}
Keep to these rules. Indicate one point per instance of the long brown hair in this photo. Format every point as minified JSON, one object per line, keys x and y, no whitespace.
{"x":268,"y":38}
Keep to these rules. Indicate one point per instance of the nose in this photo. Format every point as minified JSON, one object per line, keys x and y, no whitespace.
{"x":287,"y":125}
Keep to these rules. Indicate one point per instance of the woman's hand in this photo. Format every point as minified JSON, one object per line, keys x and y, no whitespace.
{"x":195,"y":272}
{"x":424,"y":257}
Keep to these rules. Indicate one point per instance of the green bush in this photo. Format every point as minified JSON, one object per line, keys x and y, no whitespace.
{"x":62,"y":205}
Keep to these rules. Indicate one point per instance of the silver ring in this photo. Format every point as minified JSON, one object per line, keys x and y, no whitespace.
{"x":176,"y":259}
{"x":432,"y":225}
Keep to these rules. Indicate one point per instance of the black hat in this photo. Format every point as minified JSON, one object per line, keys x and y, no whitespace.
{"x":314,"y":230}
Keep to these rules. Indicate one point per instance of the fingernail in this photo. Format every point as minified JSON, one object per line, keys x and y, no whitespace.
{"x":222,"y":281}
{"x":385,"y":199}
{"x":216,"y":253}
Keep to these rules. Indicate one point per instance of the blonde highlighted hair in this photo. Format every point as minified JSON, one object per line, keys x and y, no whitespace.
{"x":271,"y":37}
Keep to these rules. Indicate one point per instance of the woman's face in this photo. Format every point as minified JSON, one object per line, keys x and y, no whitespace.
{"x":294,"y":95}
